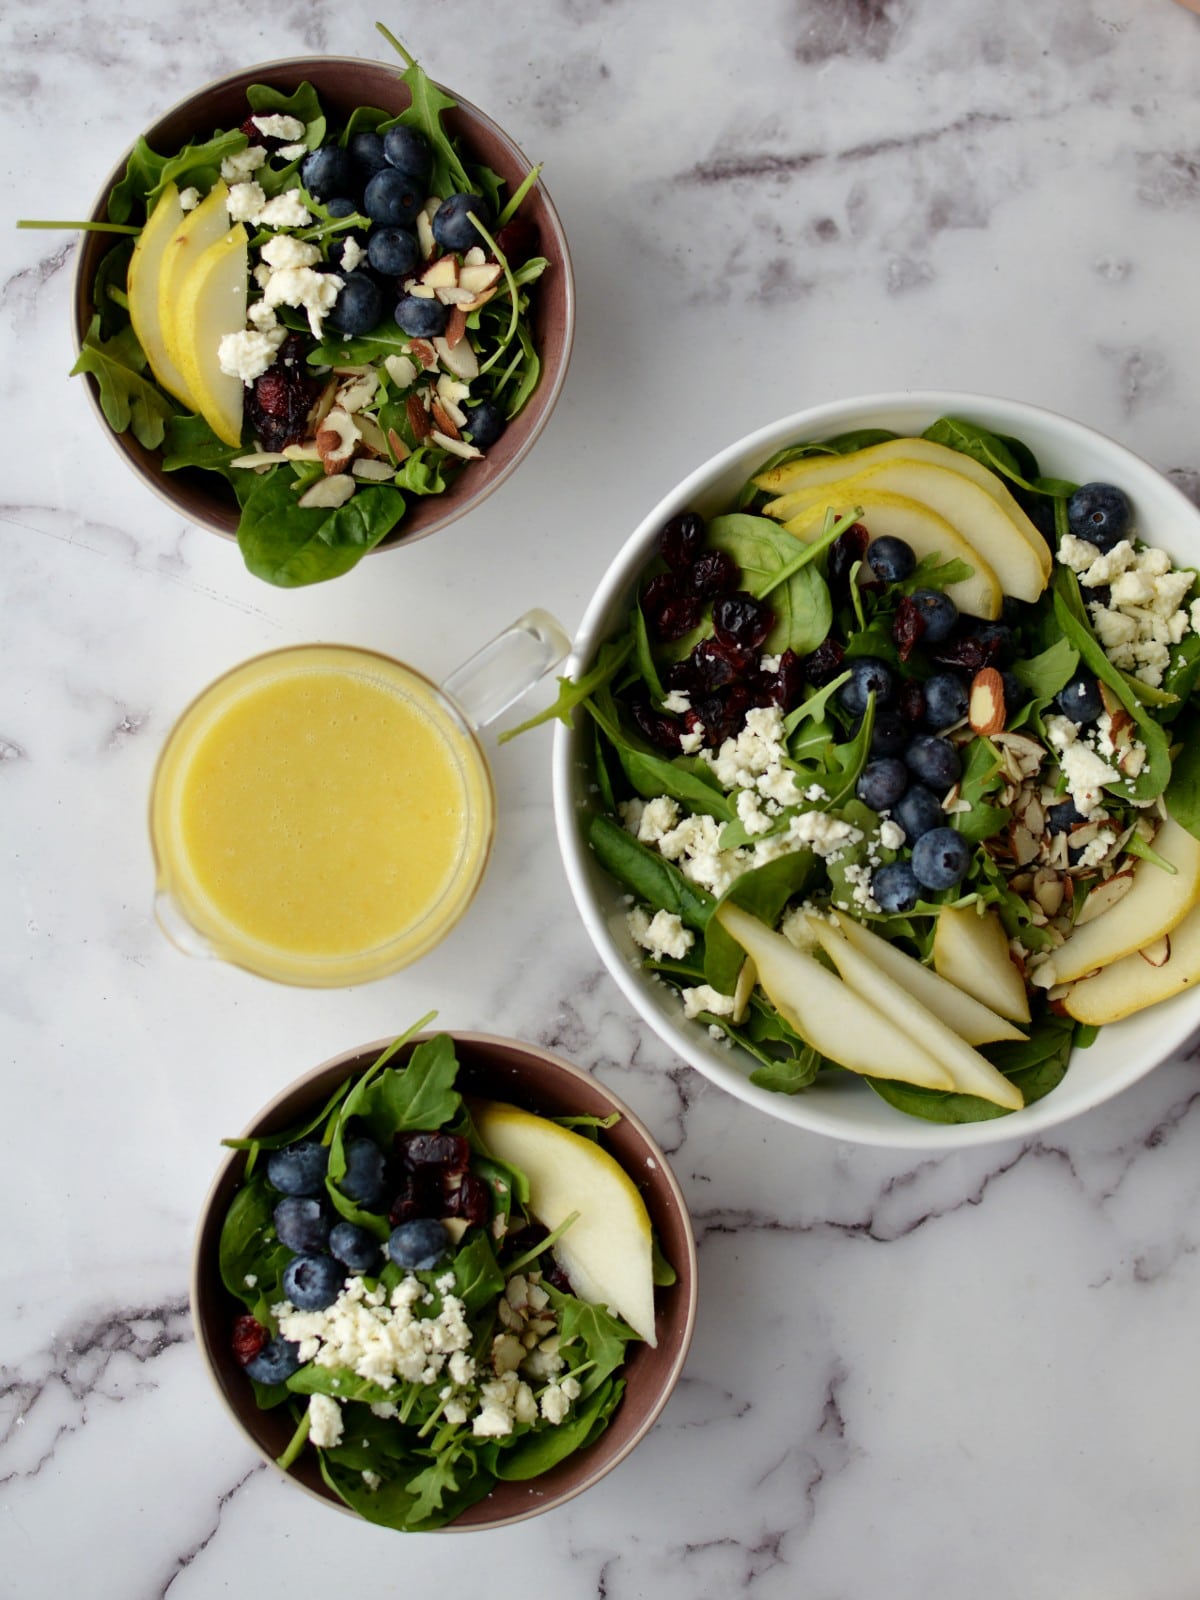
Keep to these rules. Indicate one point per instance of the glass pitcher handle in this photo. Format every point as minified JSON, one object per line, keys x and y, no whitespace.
{"x":509,"y":665}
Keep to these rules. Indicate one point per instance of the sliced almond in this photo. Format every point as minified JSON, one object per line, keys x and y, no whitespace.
{"x":442,"y":418}
{"x":396,"y":444}
{"x":454,"y":296}
{"x":373,"y":471}
{"x":1105,"y":895}
{"x":474,"y":257}
{"x":441,"y":274}
{"x":301,"y":452}
{"x":479,"y":278}
{"x":479,"y":300}
{"x":1023,"y":844}
{"x":418,"y":417}
{"x":424,"y":353}
{"x":456,"y":447}
{"x":1048,"y":891}
{"x":373,"y":439}
{"x":460,"y":358}
{"x":337,"y":440}
{"x":456,"y":328}
{"x":1022,"y":755}
{"x":425,"y":229}
{"x":328,"y":493}
{"x":401,"y":371}
{"x":1158,"y":953}
{"x":358,"y":390}
{"x":260,"y":460}
{"x":985,"y":708}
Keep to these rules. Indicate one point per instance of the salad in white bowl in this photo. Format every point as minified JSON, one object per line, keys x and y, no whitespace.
{"x":877,"y":789}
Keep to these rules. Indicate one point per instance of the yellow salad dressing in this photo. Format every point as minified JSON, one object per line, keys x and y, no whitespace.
{"x":321,"y":815}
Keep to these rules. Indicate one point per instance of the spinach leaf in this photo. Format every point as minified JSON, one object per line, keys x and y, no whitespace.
{"x":1036,"y":1065}
{"x":1182,"y":794}
{"x":775,"y":564}
{"x":288,"y":545}
{"x":763,"y":891}
{"x":686,"y":779}
{"x":989,"y":449}
{"x":1048,"y":672}
{"x":190,"y":442}
{"x":651,"y":878}
{"x":128,"y":399}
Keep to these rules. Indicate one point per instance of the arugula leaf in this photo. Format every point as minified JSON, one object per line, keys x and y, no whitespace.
{"x":763,"y":891}
{"x":572,"y":692}
{"x":982,"y":775}
{"x":1182,"y":795}
{"x":685,"y":779}
{"x":1045,"y":674}
{"x":127,"y":398}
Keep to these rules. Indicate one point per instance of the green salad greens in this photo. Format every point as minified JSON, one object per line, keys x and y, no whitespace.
{"x":346,"y":415}
{"x":799,"y":721}
{"x":392,"y":1292}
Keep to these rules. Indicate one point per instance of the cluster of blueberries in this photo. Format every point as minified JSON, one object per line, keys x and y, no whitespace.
{"x":912,"y":766}
{"x":386,"y":178}
{"x":324,"y":1249}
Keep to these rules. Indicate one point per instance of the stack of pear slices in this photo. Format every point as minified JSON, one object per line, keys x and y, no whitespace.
{"x":188,"y":287}
{"x":937,"y":500}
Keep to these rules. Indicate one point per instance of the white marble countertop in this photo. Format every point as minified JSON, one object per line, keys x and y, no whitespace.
{"x":912,"y":1375}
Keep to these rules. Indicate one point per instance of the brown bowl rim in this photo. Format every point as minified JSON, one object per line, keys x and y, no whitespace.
{"x":535,"y":415}
{"x":679,"y":1314}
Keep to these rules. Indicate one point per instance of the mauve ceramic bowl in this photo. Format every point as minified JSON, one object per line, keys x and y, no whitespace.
{"x":538,"y":1081}
{"x":343,"y":83}
{"x":839,"y":1105}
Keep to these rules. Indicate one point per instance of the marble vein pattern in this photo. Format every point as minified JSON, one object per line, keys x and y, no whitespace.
{"x":913,"y":1374}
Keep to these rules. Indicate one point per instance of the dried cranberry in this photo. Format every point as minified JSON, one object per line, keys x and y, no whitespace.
{"x":449,"y":1152}
{"x":824,"y":664}
{"x":518,"y":240}
{"x":715,"y":662}
{"x":742,"y":619}
{"x":249,"y":1337}
{"x":681,"y":540}
{"x":910,"y":702}
{"x":279,"y":401}
{"x":659,"y":729}
{"x":420,"y":1196}
{"x":724,"y":713}
{"x":849,"y":546}
{"x":678,"y":617}
{"x":713,"y":573}
{"x":784,"y":686}
{"x":908,"y":626}
{"x":663,"y":586}
{"x":468,"y":1199}
{"x":966,"y":651}
{"x":679,"y":676}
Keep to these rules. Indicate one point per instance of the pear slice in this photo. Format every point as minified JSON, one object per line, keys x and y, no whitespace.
{"x":1156,"y":904}
{"x":141,"y":284}
{"x":1137,"y":981}
{"x":896,"y":515}
{"x":212,"y":303}
{"x":971,"y":1073}
{"x":970,"y":950}
{"x":971,"y":1018}
{"x":829,"y":469}
{"x":198,"y":229}
{"x":982,"y":521}
{"x":826,"y":1013}
{"x":607,"y":1251}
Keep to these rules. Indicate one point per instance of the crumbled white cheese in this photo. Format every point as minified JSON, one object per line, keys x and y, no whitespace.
{"x":283,"y":251}
{"x":324,"y":1422}
{"x":677,"y":702}
{"x":751,"y":814}
{"x":663,"y":935}
{"x":705,"y":998}
{"x":245,"y":202}
{"x":891,"y":834}
{"x":371,"y":1480}
{"x":1086,"y":773}
{"x":757,"y":749}
{"x":189,"y":199}
{"x":278,"y":125}
{"x":243,"y":164}
{"x":313,"y":292}
{"x":248,"y":354}
{"x":353,"y":255}
{"x":292,"y":152}
{"x":284,"y":211}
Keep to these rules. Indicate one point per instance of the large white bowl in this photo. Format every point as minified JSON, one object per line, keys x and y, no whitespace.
{"x":843,"y":1108}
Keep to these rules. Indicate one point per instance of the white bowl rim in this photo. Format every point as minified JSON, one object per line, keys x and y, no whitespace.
{"x":1177,"y":1019}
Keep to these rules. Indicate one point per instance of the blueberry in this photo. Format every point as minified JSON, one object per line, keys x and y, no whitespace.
{"x":996,"y":641}
{"x":1100,"y":513}
{"x":889,"y":733}
{"x":1064,"y":816}
{"x":895,"y":887}
{"x":485,"y":423}
{"x":354,"y":1247}
{"x":452,"y":225}
{"x":365,"y":1175}
{"x":1014,"y":694}
{"x":301,"y":1224}
{"x":881,"y":783}
{"x":327,"y":173}
{"x":933,"y":761}
{"x":423,"y":319}
{"x":867,"y":674}
{"x":275,"y":1362}
{"x":939,"y":613}
{"x":312,"y":1282}
{"x":298,"y":1168}
{"x":392,"y":199}
{"x":367,"y":153}
{"x":407,"y":149}
{"x":946,"y":696}
{"x":917,"y":811}
{"x":1080,"y":700}
{"x":940,"y":858}
{"x":890,"y":559}
{"x":419,"y":1244}
{"x":359,"y":306}
{"x":341,"y":206}
{"x":394,"y":252}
